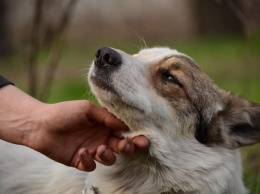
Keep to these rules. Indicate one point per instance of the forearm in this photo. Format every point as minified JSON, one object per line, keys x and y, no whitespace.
{"x":17,"y":119}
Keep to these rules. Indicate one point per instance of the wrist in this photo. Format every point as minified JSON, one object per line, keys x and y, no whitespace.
{"x":18,"y":117}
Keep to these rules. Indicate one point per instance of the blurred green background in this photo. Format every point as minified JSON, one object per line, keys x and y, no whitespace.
{"x":62,"y":36}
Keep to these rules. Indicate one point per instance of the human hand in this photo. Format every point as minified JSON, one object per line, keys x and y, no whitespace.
{"x":75,"y":133}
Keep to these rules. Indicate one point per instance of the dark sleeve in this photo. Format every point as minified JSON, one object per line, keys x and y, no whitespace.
{"x":4,"y":82}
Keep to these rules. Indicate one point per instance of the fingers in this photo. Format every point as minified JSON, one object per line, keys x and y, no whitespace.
{"x":126,"y":147}
{"x":101,"y":115}
{"x":105,"y":156}
{"x":86,"y":162}
{"x":113,"y":144}
{"x":121,"y":146}
{"x":118,"y":145}
{"x":141,"y":142}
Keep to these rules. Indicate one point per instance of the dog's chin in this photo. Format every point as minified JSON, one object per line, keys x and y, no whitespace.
{"x":123,"y":109}
{"x":114,"y":100}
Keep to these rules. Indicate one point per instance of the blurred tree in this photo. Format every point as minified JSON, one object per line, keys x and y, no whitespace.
{"x":244,"y":19}
{"x":236,"y":16}
{"x":46,"y":33}
{"x":215,"y":17}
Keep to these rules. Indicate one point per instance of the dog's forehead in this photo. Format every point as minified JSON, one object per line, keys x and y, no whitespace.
{"x":156,"y":54}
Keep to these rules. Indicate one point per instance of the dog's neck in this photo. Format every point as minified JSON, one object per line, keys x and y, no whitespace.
{"x":181,"y":166}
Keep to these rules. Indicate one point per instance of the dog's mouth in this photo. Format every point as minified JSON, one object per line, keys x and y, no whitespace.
{"x":102,"y":82}
{"x":108,"y":95}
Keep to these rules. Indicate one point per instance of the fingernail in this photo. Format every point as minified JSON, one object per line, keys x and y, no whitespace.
{"x":127,"y":147}
{"x":83,"y":154}
{"x":105,"y":154}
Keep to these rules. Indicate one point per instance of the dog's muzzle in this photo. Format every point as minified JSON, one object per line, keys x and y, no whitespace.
{"x":107,"y":61}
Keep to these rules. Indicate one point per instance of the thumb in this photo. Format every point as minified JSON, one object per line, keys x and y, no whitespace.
{"x":102,"y":116}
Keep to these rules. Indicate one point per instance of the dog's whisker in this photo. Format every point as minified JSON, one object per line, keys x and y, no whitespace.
{"x":142,"y":41}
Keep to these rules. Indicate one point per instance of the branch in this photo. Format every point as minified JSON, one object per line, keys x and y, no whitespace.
{"x":247,"y":33}
{"x":241,"y":17}
{"x":34,"y":49}
{"x":55,"y":53}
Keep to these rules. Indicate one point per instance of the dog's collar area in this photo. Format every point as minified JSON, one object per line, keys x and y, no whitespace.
{"x":94,"y":190}
{"x":84,"y":190}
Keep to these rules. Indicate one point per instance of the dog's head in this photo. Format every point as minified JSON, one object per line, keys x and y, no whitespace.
{"x":162,"y":91}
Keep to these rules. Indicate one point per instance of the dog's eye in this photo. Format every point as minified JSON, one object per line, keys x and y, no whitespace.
{"x":166,"y":76}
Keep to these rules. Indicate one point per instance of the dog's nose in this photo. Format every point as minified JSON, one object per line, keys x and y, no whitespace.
{"x":107,"y":56}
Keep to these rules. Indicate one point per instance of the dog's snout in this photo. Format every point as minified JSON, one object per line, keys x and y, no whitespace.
{"x":107,"y":56}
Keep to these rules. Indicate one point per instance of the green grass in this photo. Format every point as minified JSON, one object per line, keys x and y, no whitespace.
{"x":71,"y":90}
{"x":251,"y":161}
{"x":222,"y":58}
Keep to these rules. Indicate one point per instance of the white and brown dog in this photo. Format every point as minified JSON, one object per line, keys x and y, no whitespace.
{"x":194,"y":129}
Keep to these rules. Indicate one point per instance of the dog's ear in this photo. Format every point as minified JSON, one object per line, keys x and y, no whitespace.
{"x":238,"y":124}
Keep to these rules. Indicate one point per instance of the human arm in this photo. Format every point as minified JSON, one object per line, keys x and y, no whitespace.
{"x":73,"y":133}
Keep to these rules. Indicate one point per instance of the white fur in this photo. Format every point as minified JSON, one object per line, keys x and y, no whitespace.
{"x":24,"y":171}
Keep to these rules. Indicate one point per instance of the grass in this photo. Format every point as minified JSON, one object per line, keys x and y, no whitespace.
{"x":251,"y":163}
{"x":222,"y":58}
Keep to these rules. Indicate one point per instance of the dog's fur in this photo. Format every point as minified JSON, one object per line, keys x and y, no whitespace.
{"x":194,"y":129}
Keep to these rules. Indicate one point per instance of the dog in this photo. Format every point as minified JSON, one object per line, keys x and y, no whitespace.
{"x":194,"y":129}
{"x":193,"y":126}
